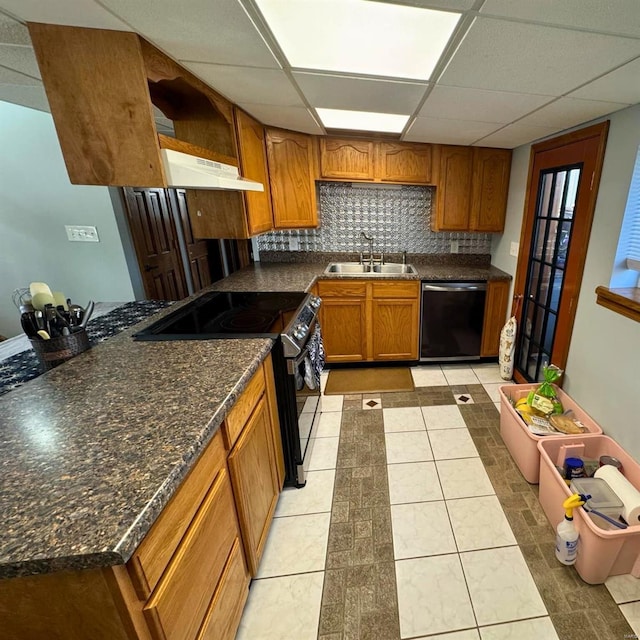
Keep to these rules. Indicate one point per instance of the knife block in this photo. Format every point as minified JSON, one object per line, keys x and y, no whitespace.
{"x":55,"y":351}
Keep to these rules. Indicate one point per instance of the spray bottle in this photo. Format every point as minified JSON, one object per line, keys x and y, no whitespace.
{"x":567,"y":534}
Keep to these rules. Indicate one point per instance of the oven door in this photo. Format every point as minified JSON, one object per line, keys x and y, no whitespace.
{"x":307,"y":413}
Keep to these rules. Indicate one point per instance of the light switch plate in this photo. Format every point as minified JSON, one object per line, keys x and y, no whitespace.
{"x":454,"y":246}
{"x":294,"y":243}
{"x":514,"y":249}
{"x":79,"y":233}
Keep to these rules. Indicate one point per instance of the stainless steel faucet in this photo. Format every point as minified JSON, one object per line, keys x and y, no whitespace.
{"x":404,"y":257}
{"x":370,"y":240}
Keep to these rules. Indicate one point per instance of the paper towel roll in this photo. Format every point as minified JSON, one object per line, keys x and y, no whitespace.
{"x":628,"y":494}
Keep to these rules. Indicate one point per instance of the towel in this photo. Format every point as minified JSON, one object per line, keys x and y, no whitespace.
{"x":314,"y":362}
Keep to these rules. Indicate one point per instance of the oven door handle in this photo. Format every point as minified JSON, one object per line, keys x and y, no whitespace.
{"x":294,"y":363}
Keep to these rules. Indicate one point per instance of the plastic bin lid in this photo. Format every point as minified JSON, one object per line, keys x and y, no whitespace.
{"x":602,"y":496}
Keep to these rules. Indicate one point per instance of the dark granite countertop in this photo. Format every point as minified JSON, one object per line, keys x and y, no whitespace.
{"x":275,"y":276}
{"x":93,"y":450}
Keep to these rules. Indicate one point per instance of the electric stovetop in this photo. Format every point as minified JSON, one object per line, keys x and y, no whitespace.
{"x":226,"y":315}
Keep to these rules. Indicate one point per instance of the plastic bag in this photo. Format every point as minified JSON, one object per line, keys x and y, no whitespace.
{"x":545,"y":398}
{"x":507,"y":348}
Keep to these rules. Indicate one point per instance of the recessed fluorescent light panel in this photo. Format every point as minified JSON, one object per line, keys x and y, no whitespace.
{"x":359,"y":36}
{"x":362,"y":120}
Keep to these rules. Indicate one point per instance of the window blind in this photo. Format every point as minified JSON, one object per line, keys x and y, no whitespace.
{"x":633,"y":211}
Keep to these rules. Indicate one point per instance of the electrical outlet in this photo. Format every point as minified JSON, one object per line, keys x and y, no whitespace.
{"x":514,"y":249}
{"x":294,"y":243}
{"x":454,"y":246}
{"x":78,"y":233}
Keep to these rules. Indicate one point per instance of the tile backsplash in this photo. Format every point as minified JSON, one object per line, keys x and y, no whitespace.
{"x":398,"y":218}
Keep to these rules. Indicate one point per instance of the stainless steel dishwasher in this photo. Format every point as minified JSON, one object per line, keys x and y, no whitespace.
{"x":452,"y":314}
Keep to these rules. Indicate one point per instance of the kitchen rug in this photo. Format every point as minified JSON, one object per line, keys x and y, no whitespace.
{"x":344,"y":381}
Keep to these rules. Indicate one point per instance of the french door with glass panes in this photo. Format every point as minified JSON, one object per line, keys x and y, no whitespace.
{"x":563,"y":178}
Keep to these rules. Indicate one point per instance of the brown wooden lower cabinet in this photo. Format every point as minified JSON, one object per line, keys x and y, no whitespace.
{"x":189,"y":578}
{"x":495,"y":315}
{"x":364,"y":320}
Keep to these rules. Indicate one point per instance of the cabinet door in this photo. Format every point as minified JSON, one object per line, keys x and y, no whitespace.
{"x":453,"y":194}
{"x":491,"y":169}
{"x":253,"y":164}
{"x":346,"y":159}
{"x":292,"y":173}
{"x":395,"y":329}
{"x":404,"y":162}
{"x":252,"y":465}
{"x":495,"y":313}
{"x":343,"y":329}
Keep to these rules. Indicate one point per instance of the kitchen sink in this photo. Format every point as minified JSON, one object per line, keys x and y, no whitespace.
{"x":355,"y":268}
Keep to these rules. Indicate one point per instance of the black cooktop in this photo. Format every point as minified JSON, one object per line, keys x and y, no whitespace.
{"x":226,"y":315}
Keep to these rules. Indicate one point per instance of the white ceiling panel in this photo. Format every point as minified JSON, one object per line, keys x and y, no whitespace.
{"x":12,"y":32}
{"x":514,"y":135}
{"x":613,"y":16}
{"x":79,"y":13}
{"x":294,"y":118}
{"x":248,"y":84}
{"x":33,"y":97}
{"x":525,"y":58}
{"x":200,"y":31}
{"x":621,"y":85}
{"x":447,"y":5}
{"x":360,"y":94}
{"x":22,"y":59}
{"x":9,"y":76}
{"x":480,"y":105}
{"x":448,"y":131}
{"x":568,"y":112}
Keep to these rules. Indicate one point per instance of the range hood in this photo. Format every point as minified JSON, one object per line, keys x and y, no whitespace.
{"x":185,"y":171}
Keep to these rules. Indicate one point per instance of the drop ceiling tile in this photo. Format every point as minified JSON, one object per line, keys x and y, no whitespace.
{"x":295,"y":118}
{"x":79,"y":13}
{"x":527,"y":58}
{"x":248,"y":84}
{"x":214,"y":32}
{"x":450,"y":5}
{"x":33,"y":97}
{"x":514,"y":135}
{"x":439,"y":130}
{"x":12,"y":32}
{"x":9,"y":76}
{"x":21,"y":59}
{"x":456,"y":103}
{"x":621,"y":85}
{"x":621,"y":16}
{"x":360,"y":94}
{"x":569,"y":112}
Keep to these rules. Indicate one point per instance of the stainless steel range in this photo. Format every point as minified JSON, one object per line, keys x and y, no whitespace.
{"x":289,"y":318}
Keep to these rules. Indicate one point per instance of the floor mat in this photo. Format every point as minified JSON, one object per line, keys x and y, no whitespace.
{"x":345,"y":381}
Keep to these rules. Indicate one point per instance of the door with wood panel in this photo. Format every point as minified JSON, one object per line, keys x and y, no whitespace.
{"x":155,"y":240}
{"x":564,"y":174}
{"x":197,"y":250}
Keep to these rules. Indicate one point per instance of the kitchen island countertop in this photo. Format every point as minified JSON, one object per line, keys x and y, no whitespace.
{"x":93,"y":450}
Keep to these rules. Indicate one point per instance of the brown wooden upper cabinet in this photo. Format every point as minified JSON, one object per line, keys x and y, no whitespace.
{"x":231,"y":214}
{"x":292,"y":175}
{"x":472,"y":189}
{"x":102,"y":86}
{"x":376,"y":161}
{"x":346,"y":159}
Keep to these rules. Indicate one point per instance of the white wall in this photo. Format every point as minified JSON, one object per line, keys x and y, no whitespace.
{"x":36,"y":201}
{"x":602,"y":369}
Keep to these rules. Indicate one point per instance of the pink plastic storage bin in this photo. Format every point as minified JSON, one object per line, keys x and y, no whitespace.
{"x":522,"y":444}
{"x":601,"y":552}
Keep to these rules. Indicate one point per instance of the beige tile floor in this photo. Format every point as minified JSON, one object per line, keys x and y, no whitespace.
{"x":460,"y":573}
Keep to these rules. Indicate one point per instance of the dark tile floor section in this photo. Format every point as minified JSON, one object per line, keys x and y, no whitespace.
{"x":579,"y":611}
{"x":359,"y":600}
